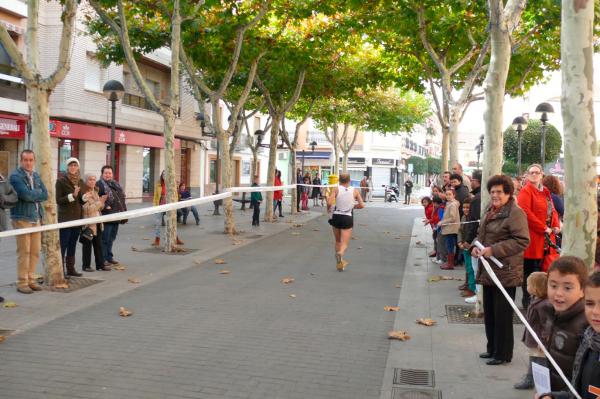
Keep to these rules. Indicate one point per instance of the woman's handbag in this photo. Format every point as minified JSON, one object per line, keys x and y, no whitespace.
{"x":551,"y":250}
{"x":87,"y":234}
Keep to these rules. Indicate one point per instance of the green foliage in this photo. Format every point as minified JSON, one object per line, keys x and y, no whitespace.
{"x":419,"y":164}
{"x":434,"y":166}
{"x":509,"y":167}
{"x":531,"y":143}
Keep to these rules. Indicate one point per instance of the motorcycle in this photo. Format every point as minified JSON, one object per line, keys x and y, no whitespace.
{"x":391,"y":194}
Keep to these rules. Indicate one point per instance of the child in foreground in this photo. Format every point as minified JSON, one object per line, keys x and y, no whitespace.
{"x":586,"y":368}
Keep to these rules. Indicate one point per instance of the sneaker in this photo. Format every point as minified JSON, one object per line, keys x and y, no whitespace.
{"x":35,"y":287}
{"x":25,"y":290}
{"x":472,"y":300}
{"x":113,"y":262}
{"x":1,"y":299}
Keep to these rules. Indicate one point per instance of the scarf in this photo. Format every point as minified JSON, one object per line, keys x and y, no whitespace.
{"x":590,"y":341}
{"x":73,"y":178}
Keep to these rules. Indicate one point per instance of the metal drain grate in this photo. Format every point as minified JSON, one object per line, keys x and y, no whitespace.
{"x":404,"y":393}
{"x":465,"y":314}
{"x":75,"y":283}
{"x":424,"y":378}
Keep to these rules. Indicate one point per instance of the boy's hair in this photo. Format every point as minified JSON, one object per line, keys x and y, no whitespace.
{"x":426,"y":199}
{"x":467,"y":200}
{"x":437,"y":199}
{"x":538,"y":281}
{"x":571,"y":265}
{"x":594,"y":280}
{"x":456,"y":176}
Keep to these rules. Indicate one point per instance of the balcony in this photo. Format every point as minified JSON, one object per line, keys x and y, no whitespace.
{"x":12,"y":87}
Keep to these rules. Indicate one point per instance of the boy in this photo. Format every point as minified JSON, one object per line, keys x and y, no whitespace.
{"x":255,"y":200}
{"x":563,"y":318}
{"x":586,"y":370}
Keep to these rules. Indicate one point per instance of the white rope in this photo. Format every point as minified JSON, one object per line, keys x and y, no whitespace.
{"x":448,"y":224}
{"x":490,"y":271}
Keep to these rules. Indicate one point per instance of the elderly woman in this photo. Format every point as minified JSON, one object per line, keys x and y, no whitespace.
{"x":542,"y":219}
{"x":91,"y":235}
{"x":504,"y":234}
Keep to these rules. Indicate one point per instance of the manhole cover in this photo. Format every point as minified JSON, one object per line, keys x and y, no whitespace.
{"x":465,"y":314}
{"x":75,"y":283}
{"x":404,"y":393}
{"x":425,"y":378}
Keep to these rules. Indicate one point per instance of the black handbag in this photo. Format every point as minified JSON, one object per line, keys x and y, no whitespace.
{"x":87,"y":234}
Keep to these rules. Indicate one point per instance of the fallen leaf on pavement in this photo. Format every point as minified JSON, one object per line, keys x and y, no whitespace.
{"x":398,"y":286}
{"x":124,"y":312}
{"x":145,"y":238}
{"x":358,"y":247}
{"x":399,"y":335}
{"x":434,"y":279}
{"x":447,"y":278}
{"x":133,"y":280}
{"x":418,"y":243}
{"x":391,"y":308}
{"x":297,"y":225}
{"x":237,"y":242}
{"x":134,"y":249}
{"x":62,"y":286}
{"x":220,"y":261}
{"x":353,"y":238}
{"x":10,"y":304}
{"x":316,"y":229}
{"x":295,"y":234}
{"x":224,"y":272}
{"x":292,"y":295}
{"x":287,"y":280}
{"x":2,"y":338}
{"x":198,"y":261}
{"x":118,"y":267}
{"x":427,"y":322}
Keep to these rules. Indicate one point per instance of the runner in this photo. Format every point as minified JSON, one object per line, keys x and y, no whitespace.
{"x":344,"y":198}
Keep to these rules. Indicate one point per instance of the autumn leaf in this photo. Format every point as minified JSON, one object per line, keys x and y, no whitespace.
{"x":220,"y":261}
{"x":359,"y":247}
{"x":447,"y":278}
{"x":237,"y":242}
{"x":427,"y":322}
{"x":118,"y":267}
{"x":62,"y":286}
{"x":10,"y":304}
{"x":353,"y":238}
{"x":434,"y":279}
{"x":297,"y":225}
{"x":2,"y":338}
{"x":134,"y":249}
{"x":316,"y":229}
{"x":398,"y":286}
{"x":133,"y":280}
{"x":145,"y":238}
{"x":295,"y":233}
{"x":287,"y":280}
{"x":399,"y":335}
{"x":124,"y":312}
{"x":224,"y":272}
{"x":391,"y":308}
{"x":292,"y":295}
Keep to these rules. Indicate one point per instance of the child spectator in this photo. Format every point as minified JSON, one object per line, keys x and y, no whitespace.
{"x":563,"y":316}
{"x":464,"y":243}
{"x":586,"y":367}
{"x":440,"y":245}
{"x":537,"y":285}
{"x":450,"y":226}
{"x":255,"y":200}
{"x":429,"y":211}
{"x":305,"y":191}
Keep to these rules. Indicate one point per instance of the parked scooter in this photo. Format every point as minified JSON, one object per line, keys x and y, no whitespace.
{"x":391,"y":194}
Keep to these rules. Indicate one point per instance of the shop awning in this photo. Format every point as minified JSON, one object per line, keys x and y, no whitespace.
{"x":314,"y":155}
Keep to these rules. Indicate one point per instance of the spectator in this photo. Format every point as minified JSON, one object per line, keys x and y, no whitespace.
{"x":256,"y":199}
{"x":518,"y":183}
{"x":304,"y":194}
{"x":556,"y":192}
{"x":299,"y":180}
{"x":408,"y":186}
{"x":369,"y":189}
{"x":28,"y":212}
{"x":441,"y":254}
{"x":504,"y":234}
{"x":363,"y":187}
{"x":91,"y":236}
{"x":278,"y":195}
{"x":458,"y":170}
{"x":450,"y":225}
{"x":542,"y":219}
{"x":316,"y":191}
{"x":445,"y":181}
{"x":462,"y":192}
{"x":8,"y":199}
{"x":115,"y":202}
{"x":184,"y":194}
{"x":68,"y":198}
{"x":472,"y":228}
{"x":464,"y":243}
{"x":160,"y":198}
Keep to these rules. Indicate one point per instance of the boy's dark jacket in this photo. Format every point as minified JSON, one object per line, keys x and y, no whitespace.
{"x":561,"y":334}
{"x":256,"y":196}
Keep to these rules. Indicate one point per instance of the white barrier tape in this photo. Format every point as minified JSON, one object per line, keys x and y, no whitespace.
{"x":448,"y":224}
{"x":493,"y":258}
{"x":490,"y":271}
{"x":272,"y":188}
{"x":136,"y":213}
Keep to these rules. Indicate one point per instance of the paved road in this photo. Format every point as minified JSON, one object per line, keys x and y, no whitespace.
{"x":200,"y":334}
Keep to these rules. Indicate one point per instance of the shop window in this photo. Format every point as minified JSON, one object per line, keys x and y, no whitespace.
{"x":66,"y":149}
{"x":147,"y":170}
{"x":184,"y":175}
{"x":213,"y":170}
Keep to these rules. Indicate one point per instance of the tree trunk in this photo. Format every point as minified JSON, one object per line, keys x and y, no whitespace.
{"x":454,"y":122}
{"x":292,"y":180}
{"x":254,"y":170}
{"x":495,"y":87}
{"x":226,"y":182}
{"x":275,"y":126}
{"x":171,"y":220}
{"x":345,"y":163}
{"x":38,"y":103}
{"x":445,"y":148}
{"x":579,"y":231}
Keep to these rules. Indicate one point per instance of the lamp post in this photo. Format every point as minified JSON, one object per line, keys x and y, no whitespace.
{"x":312,"y":145}
{"x":113,"y":91}
{"x":213,"y":134}
{"x":479,"y":149}
{"x":519,"y":124}
{"x":544,"y":109}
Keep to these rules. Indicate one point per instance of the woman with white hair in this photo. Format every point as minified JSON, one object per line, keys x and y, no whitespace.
{"x":91,"y":234}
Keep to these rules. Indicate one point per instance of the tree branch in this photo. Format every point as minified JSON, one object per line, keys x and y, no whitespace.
{"x":425,"y":41}
{"x":15,"y":55}
{"x":266,"y":94}
{"x":246,"y":92}
{"x":297,"y":92}
{"x":194,"y":74}
{"x":68,"y":18}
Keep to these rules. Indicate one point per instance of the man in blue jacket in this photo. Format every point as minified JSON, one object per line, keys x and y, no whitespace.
{"x":28,"y":212}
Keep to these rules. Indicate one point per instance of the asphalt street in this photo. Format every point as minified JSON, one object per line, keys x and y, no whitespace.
{"x":203,"y":334}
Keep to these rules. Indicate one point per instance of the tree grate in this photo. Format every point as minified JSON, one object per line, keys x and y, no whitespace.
{"x":465,"y":314}
{"x":75,"y":283}
{"x":159,"y":251}
{"x":404,"y":393}
{"x":425,"y":378}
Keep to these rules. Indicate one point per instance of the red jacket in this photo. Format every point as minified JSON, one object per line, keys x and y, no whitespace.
{"x":278,"y":195}
{"x":535,"y":205}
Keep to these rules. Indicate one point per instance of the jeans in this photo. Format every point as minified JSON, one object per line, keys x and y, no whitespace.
{"x":498,"y":316}
{"x":276,"y":204}
{"x":109,"y":235}
{"x":186,"y":211}
{"x":529,"y":266}
{"x":68,"y":241}
{"x":442,"y":252}
{"x":470,"y":270}
{"x":158,"y":218}
{"x":255,"y":213}
{"x":96,"y":244}
{"x":450,"y":240}
{"x":407,"y":197}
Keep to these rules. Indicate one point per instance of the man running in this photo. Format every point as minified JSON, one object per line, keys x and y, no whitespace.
{"x":344,"y":198}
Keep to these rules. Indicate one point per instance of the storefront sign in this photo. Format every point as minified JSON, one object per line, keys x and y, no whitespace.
{"x":12,"y":129}
{"x":355,"y":160}
{"x":382,"y":162}
{"x":80,"y":131}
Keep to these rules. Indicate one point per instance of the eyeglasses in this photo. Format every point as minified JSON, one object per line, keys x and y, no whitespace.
{"x":535,"y":172}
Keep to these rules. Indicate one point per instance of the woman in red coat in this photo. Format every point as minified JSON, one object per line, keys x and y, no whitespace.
{"x":542,"y":219}
{"x":278,"y":195}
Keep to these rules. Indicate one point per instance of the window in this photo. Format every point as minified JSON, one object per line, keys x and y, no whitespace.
{"x":93,"y":74}
{"x":66,"y":149}
{"x":133,"y":96}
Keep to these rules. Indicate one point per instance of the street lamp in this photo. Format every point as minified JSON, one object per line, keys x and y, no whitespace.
{"x":113,"y":91}
{"x":479,"y":149}
{"x":544,"y":109}
{"x":519,"y":124}
{"x":312,"y":145}
{"x":212,"y":134}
